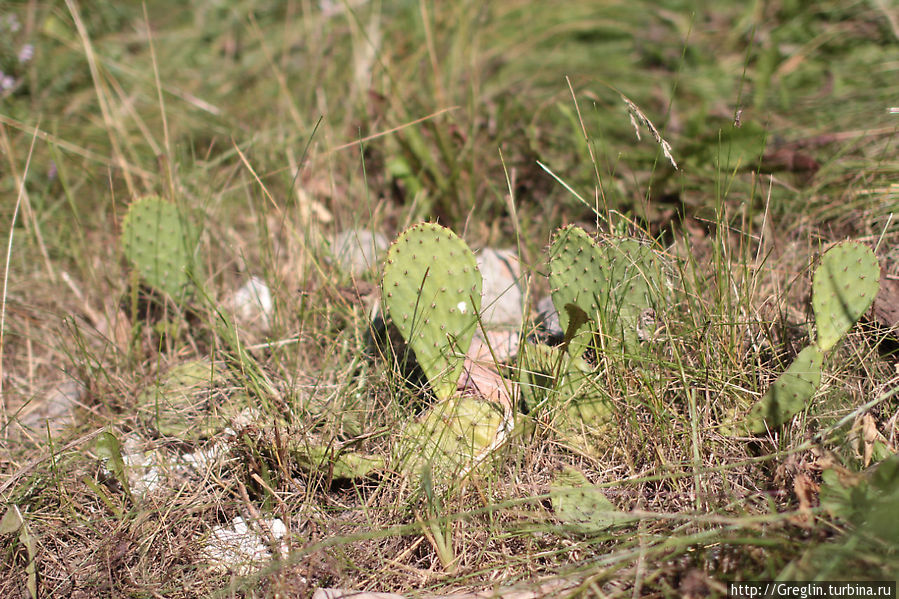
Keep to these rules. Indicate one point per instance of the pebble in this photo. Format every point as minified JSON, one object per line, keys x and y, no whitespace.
{"x":356,"y":251}
{"x":243,"y":547}
{"x":56,"y":411}
{"x":252,"y":303}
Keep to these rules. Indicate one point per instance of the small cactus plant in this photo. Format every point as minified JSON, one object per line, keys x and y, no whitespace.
{"x":615,"y":283}
{"x":843,"y":288}
{"x":577,"y":276}
{"x":159,"y":243}
{"x":432,"y":291}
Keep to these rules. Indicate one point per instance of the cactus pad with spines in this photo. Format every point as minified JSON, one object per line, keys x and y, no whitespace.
{"x":452,"y":438}
{"x":581,"y":507}
{"x":432,"y":290}
{"x":578,"y":275}
{"x":615,"y":283}
{"x":159,"y":243}
{"x":568,"y":389}
{"x":843,"y":288}
{"x":789,"y":394}
{"x":636,"y":280}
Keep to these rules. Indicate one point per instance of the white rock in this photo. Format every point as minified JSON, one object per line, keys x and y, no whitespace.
{"x":202,"y":460}
{"x":54,"y":411}
{"x":243,"y":547}
{"x":252,"y":303}
{"x":502,"y":300}
{"x":141,"y":467}
{"x":357,"y":250}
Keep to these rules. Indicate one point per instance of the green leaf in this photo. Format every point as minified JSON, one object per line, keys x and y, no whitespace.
{"x":107,"y":446}
{"x":12,"y":522}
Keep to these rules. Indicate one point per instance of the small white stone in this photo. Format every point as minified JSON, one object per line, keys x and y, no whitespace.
{"x":202,"y":460}
{"x":252,"y":303}
{"x":242,"y":548}
{"x":278,"y":528}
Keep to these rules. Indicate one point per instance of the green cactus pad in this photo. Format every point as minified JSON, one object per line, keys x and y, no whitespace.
{"x":192,"y":401}
{"x":616,"y":283}
{"x":452,"y":438}
{"x":432,"y":290}
{"x":789,"y":394}
{"x":843,"y":288}
{"x":578,"y":275}
{"x":581,"y":507}
{"x":159,"y":243}
{"x":637,"y":283}
{"x":566,"y":388}
{"x":545,"y":372}
{"x":337,"y":465}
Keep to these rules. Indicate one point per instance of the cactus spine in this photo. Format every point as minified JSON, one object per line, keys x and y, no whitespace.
{"x":432,"y":290}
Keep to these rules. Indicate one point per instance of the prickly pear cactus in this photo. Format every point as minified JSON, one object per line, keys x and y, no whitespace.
{"x":616,"y":283}
{"x":432,"y":290}
{"x":637,"y":282}
{"x":789,"y":394}
{"x":451,"y":439}
{"x":544,"y":372}
{"x":843,"y":288}
{"x":190,"y":401}
{"x":581,"y":507}
{"x":567,"y":389}
{"x":578,"y":275}
{"x":159,"y":243}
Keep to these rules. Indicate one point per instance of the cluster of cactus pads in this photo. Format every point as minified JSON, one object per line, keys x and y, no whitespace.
{"x":432,"y":291}
{"x":159,"y":242}
{"x":843,"y":288}
{"x":615,"y":282}
{"x":602,"y":290}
